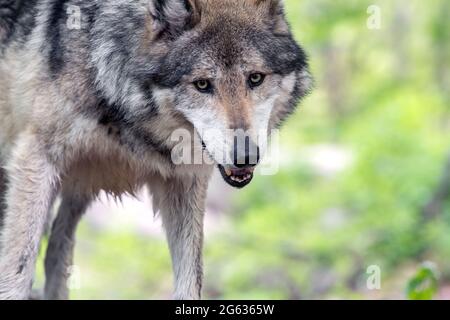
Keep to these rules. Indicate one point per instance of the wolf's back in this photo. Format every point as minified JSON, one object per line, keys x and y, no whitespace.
{"x":8,"y":17}
{"x":16,"y":20}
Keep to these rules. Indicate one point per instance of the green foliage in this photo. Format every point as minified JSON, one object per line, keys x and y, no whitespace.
{"x":424,"y":284}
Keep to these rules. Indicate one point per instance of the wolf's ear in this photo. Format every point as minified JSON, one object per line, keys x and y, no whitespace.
{"x":275,"y":11}
{"x":173,"y":16}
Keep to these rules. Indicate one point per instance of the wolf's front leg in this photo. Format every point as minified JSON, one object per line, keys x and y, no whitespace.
{"x":33,"y":183}
{"x":59,"y":257}
{"x":182,"y":206}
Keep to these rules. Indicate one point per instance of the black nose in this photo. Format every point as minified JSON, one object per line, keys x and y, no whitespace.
{"x":246,"y":153}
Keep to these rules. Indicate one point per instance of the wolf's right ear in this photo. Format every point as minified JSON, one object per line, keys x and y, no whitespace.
{"x":173,"y":16}
{"x":275,"y":11}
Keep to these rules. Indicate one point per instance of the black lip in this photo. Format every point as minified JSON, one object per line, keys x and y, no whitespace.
{"x":235,"y":184}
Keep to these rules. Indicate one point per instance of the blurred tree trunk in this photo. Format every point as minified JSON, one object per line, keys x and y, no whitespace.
{"x":441,"y":53}
{"x":435,"y":205}
{"x":333,"y":80}
{"x":399,"y":37}
{"x":441,"y":36}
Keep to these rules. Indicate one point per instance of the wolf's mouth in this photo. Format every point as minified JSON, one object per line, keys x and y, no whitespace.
{"x":237,"y":178}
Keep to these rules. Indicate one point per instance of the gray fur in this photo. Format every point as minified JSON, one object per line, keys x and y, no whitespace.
{"x":181,"y":203}
{"x":33,"y":187}
{"x":94,"y":109}
{"x":59,"y":254}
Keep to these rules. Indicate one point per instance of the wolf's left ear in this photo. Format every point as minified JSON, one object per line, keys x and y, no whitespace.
{"x":173,"y":16}
{"x":275,"y":11}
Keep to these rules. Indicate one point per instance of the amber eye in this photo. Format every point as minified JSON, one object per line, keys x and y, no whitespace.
{"x":256,"y":79}
{"x":203,"y":86}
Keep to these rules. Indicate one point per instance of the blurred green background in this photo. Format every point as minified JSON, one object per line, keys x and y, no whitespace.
{"x":364,"y":178}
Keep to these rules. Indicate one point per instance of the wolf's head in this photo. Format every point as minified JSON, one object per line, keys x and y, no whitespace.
{"x":232,"y":69}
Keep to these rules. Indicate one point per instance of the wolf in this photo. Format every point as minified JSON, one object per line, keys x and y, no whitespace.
{"x":91,"y":93}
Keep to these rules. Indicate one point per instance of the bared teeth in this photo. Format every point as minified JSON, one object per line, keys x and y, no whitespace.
{"x":236,"y":179}
{"x":241,"y":178}
{"x":238,"y":175}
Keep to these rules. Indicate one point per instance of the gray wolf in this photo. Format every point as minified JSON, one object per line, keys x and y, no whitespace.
{"x":93,"y":108}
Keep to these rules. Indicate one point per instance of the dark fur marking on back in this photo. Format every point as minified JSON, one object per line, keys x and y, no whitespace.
{"x":17,"y":20}
{"x":56,"y":54}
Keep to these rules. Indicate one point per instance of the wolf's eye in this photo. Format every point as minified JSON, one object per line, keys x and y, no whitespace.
{"x":204,"y":86}
{"x":256,"y":79}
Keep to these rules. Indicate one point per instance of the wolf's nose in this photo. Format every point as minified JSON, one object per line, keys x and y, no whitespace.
{"x":246,"y":155}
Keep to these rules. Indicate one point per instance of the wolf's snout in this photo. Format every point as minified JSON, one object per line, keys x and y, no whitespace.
{"x":246,"y":153}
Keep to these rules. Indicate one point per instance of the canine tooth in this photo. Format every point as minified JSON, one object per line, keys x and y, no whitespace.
{"x":228,"y":171}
